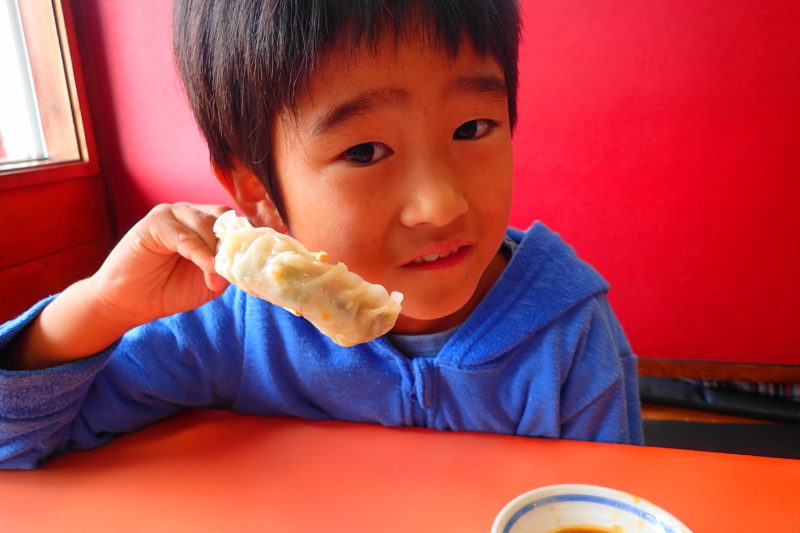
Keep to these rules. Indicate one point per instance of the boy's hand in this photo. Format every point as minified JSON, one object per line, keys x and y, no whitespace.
{"x":163,"y":265}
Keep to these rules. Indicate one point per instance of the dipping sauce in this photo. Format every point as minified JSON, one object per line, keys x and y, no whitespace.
{"x":588,"y":529}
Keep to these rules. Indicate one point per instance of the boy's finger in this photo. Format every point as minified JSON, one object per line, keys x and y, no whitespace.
{"x":166,"y":236}
{"x":213,"y":209}
{"x":215,"y":282}
{"x":200,"y":219}
{"x":194,"y":248}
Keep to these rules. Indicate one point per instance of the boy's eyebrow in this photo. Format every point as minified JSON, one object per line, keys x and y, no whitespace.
{"x":489,"y":85}
{"x":358,"y":105}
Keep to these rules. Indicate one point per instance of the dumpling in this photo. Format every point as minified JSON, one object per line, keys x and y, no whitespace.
{"x":279,"y":269}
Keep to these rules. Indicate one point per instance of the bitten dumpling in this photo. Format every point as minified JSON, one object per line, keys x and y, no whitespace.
{"x":279,"y":269}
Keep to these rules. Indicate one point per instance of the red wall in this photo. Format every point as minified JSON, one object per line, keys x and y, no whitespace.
{"x":151,"y":150}
{"x":659,"y":138}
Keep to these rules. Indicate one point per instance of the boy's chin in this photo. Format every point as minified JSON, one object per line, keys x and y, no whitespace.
{"x":432,"y":316}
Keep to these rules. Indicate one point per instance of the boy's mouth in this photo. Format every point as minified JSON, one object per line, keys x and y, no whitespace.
{"x":448,"y":256}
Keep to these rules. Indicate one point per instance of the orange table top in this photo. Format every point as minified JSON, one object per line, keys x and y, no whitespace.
{"x":220,"y":471}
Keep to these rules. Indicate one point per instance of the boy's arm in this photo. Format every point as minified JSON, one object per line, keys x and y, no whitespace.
{"x":59,"y":334}
{"x":185,"y":360}
{"x":163,"y":265}
{"x":600,"y":397}
{"x":37,"y":407}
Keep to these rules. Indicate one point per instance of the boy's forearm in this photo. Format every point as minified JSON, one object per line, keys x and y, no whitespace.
{"x":71,"y":327}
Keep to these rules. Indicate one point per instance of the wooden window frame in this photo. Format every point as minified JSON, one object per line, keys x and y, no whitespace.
{"x":67,"y":64}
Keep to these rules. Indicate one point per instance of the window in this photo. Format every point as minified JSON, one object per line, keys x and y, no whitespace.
{"x":40,"y":121}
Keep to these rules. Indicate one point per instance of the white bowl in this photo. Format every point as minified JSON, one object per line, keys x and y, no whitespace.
{"x":548,"y":509}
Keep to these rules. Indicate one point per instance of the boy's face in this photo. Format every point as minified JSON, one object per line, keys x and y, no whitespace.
{"x":399,"y":164}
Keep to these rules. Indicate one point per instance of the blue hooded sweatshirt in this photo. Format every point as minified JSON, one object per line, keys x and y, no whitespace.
{"x":542,"y":355}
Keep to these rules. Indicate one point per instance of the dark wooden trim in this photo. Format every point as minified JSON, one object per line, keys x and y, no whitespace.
{"x":715,"y":370}
{"x":46,"y":173}
{"x":24,"y":284}
{"x":653,"y":411}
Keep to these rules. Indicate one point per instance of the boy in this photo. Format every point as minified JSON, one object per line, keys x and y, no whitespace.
{"x":381,"y":135}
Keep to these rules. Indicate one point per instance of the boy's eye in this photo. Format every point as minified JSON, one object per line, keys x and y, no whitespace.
{"x":366,"y":153}
{"x":474,"y":129}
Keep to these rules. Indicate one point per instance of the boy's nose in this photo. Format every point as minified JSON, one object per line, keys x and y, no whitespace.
{"x":433,"y":199}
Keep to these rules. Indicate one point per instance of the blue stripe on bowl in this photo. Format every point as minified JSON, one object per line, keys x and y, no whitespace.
{"x":641,"y":513}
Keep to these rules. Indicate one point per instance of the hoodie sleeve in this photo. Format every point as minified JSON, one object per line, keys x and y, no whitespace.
{"x":36,"y":406}
{"x":600,"y":396}
{"x":155,"y":370}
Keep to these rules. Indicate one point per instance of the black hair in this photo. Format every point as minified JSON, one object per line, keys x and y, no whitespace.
{"x":243,"y":62}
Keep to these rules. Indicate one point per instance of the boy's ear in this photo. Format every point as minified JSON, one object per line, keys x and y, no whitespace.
{"x":249,"y":195}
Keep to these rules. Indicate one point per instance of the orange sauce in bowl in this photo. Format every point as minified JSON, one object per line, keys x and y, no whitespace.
{"x":588,"y":529}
